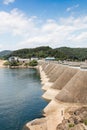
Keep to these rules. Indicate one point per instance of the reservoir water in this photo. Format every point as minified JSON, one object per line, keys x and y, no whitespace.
{"x":20,"y":97}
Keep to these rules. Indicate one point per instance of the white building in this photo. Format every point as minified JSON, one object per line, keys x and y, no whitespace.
{"x":34,"y":58}
{"x":24,"y":60}
{"x":13,"y":58}
{"x":50,"y":59}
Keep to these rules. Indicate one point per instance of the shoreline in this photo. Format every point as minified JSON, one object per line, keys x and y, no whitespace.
{"x":23,"y":67}
{"x":16,"y":67}
{"x":56,"y":110}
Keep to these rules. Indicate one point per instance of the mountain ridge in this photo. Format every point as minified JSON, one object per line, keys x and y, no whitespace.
{"x":61,"y":53}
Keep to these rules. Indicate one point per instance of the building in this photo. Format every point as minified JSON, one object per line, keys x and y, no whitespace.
{"x":13,"y":58}
{"x":23,"y":60}
{"x":34,"y":58}
{"x":50,"y":59}
{"x":17,"y":59}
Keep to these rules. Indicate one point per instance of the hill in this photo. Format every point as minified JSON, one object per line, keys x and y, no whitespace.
{"x":74,"y":53}
{"x":5,"y":53}
{"x":61,"y":53}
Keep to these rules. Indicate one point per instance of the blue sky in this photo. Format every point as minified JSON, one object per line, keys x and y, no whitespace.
{"x":32,"y":23}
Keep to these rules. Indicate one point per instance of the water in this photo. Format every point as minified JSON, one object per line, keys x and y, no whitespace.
{"x":20,"y":98}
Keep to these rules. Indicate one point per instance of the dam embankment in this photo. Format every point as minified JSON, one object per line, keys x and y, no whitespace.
{"x":66,"y":89}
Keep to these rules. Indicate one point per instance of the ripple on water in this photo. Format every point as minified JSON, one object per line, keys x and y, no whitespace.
{"x":20,"y":97}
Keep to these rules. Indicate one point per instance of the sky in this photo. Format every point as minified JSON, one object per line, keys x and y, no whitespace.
{"x":34,"y":23}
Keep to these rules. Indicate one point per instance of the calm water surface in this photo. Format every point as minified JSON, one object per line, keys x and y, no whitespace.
{"x":20,"y":97}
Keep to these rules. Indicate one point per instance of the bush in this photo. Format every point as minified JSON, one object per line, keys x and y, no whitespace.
{"x":33,"y":63}
{"x":26,"y":64}
{"x":85,"y":122}
{"x":71,"y":125}
{"x":14,"y":63}
{"x":7,"y":63}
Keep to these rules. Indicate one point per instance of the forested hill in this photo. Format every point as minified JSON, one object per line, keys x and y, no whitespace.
{"x":5,"y":53}
{"x":61,"y":53}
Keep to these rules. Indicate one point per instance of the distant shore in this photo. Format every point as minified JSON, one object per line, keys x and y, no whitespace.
{"x":15,"y":67}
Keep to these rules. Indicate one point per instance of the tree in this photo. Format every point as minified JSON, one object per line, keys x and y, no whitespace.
{"x":33,"y":63}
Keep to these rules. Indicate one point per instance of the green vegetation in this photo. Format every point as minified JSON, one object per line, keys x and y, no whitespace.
{"x":78,"y":54}
{"x":4,"y":53}
{"x":26,"y":64}
{"x":62,"y":53}
{"x":33,"y":63}
{"x":71,"y":125}
{"x":7,"y":63}
{"x":15,"y":63}
{"x":85,"y":121}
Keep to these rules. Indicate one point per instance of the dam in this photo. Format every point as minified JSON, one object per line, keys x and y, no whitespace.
{"x":65,"y":87}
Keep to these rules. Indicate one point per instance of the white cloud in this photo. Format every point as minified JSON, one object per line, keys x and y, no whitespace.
{"x":67,"y":32}
{"x":15,"y":22}
{"x":6,"y":2}
{"x":20,"y":31}
{"x":72,"y":8}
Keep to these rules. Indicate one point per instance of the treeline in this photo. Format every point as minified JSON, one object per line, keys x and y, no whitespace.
{"x":61,"y":53}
